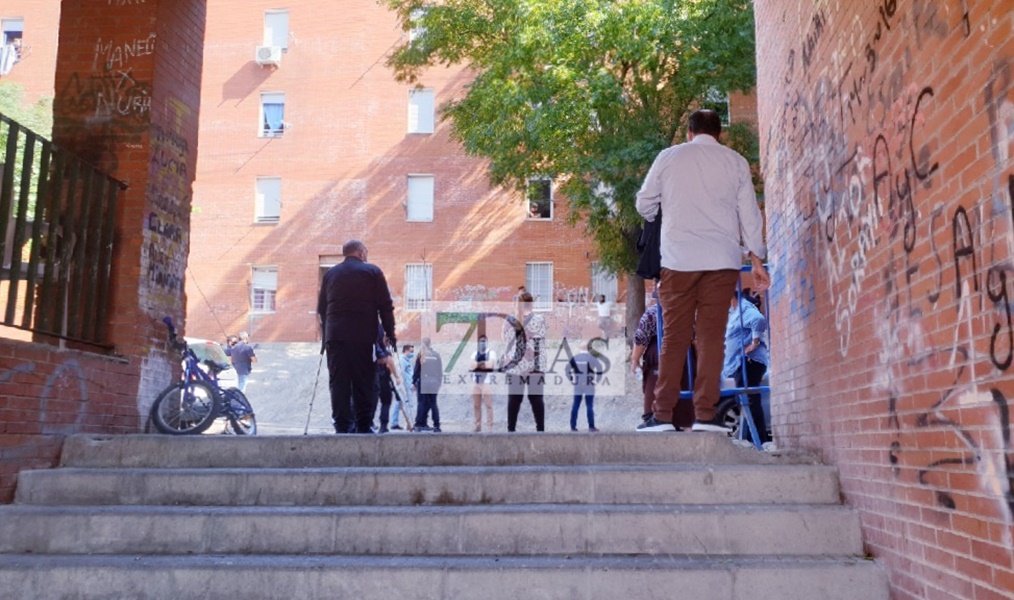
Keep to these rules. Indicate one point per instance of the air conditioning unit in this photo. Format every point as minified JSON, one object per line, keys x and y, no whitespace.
{"x":269,"y":55}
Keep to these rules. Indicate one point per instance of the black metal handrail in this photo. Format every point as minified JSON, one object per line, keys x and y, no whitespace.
{"x":57,"y":219}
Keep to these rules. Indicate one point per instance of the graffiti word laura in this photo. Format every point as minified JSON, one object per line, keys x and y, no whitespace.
{"x":817,"y":26}
{"x":111,"y":54}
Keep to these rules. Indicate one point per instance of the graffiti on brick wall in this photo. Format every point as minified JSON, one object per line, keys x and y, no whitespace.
{"x":871,"y":238}
{"x":107,"y":104}
{"x":164,"y":257}
{"x":63,"y":401}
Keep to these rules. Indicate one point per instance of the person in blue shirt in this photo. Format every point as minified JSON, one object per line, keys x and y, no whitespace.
{"x":407,"y":369}
{"x":243,"y":358}
{"x":744,"y":343}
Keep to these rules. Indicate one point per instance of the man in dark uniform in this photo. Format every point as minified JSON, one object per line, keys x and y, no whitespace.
{"x":353,"y":296}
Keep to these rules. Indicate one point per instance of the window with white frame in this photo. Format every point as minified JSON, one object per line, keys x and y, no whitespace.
{"x":12,"y":31}
{"x":540,"y":198}
{"x":417,"y":30}
{"x":263,"y":288}
{"x":718,"y":102}
{"x":420,"y":111}
{"x":602,"y":283}
{"x":418,"y":286}
{"x":419,"y":206}
{"x":272,"y":114}
{"x":276,"y":28}
{"x":539,"y":283}
{"x":268,"y":200}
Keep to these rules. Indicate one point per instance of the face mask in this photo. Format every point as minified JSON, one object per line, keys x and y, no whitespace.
{"x":482,"y":346}
{"x":410,"y":355}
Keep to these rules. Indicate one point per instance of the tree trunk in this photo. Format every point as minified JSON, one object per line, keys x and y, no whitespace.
{"x":635,"y":306}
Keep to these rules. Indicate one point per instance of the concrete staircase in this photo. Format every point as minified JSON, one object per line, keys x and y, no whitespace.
{"x":424,"y":516}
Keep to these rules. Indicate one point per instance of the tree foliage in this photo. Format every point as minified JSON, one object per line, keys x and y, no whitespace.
{"x":39,"y":118}
{"x":585,"y":91}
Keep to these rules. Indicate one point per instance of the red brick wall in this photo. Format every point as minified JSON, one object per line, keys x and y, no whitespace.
{"x":35,"y":70}
{"x":128,"y":81}
{"x":343,"y":164}
{"x":887,"y":132}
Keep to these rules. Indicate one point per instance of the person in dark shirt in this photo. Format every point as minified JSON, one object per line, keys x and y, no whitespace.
{"x":584,"y":371}
{"x":426,"y":380}
{"x":387,"y":368}
{"x":353,"y":297}
{"x":242,"y":355}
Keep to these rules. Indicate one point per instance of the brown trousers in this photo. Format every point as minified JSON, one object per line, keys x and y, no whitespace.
{"x":695,"y":305}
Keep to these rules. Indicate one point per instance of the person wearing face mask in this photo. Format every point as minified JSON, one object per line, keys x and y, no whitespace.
{"x":407,"y":369}
{"x":482,"y":364}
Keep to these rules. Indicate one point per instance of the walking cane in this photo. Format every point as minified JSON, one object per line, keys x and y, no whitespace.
{"x":316,"y":380}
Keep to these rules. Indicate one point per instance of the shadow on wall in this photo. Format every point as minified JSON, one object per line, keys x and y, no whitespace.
{"x":245,"y":82}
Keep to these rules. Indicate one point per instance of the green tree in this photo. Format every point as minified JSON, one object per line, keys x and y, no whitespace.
{"x":585,"y":91}
{"x":38,"y":117}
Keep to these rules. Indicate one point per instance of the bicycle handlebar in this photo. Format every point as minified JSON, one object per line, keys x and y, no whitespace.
{"x":174,"y":340}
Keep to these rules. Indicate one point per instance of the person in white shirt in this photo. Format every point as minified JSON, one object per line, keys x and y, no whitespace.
{"x":708,"y":205}
{"x":483,"y":363}
{"x":605,"y":315}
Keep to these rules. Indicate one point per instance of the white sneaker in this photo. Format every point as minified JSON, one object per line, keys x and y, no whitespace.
{"x":714,"y":424}
{"x":653,"y":425}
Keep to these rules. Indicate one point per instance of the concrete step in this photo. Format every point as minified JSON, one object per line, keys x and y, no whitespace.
{"x":406,"y":449}
{"x":516,"y":530}
{"x":598,"y":484}
{"x":448,"y":578}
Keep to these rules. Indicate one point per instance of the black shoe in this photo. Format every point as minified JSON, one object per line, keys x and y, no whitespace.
{"x":382,"y":429}
{"x":421,"y":428}
{"x":435,"y":430}
{"x":398,"y":427}
{"x":653,"y":424}
{"x":716,"y":424}
{"x":645,"y":417}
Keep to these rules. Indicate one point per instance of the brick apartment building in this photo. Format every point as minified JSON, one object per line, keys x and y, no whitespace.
{"x":307,"y":140}
{"x":30,"y":28}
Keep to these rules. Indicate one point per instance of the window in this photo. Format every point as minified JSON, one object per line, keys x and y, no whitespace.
{"x":417,"y":30}
{"x":268,"y":200}
{"x":276,"y":28}
{"x":540,"y":198}
{"x":602,"y":282}
{"x":718,"y":102}
{"x":263,"y":287}
{"x":12,"y":32}
{"x":418,"y":286}
{"x":539,"y":283}
{"x":272,"y":114}
{"x":419,"y":206}
{"x":420,"y":111}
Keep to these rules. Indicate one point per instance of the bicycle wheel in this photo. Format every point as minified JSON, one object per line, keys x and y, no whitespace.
{"x":239,"y":413}
{"x":186,"y":408}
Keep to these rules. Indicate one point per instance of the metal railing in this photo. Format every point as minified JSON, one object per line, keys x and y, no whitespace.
{"x":57,"y":219}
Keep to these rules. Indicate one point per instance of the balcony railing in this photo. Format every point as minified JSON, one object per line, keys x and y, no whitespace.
{"x":57,"y":218}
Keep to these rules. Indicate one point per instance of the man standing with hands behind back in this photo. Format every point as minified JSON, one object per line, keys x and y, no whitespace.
{"x":353,"y":296}
{"x":708,"y":205}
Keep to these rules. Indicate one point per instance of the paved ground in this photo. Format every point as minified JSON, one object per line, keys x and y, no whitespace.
{"x":282,"y":385}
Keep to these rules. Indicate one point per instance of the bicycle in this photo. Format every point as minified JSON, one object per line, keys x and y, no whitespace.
{"x":191,"y":405}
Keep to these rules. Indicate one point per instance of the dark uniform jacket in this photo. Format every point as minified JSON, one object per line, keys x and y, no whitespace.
{"x":352,"y":297}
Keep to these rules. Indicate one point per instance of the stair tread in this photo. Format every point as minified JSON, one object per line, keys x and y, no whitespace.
{"x":539,"y":508}
{"x":314,"y":561}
